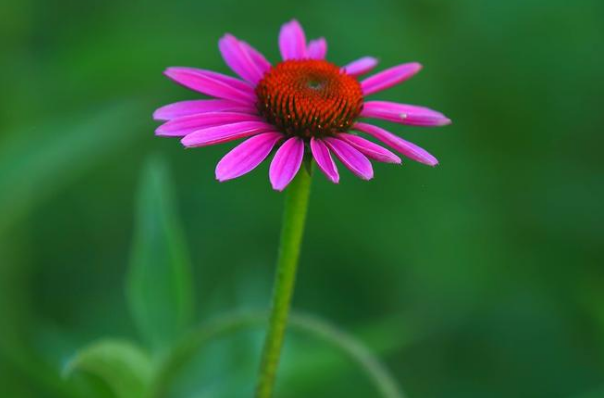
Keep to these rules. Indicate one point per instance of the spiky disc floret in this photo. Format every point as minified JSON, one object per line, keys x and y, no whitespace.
{"x":309,"y":98}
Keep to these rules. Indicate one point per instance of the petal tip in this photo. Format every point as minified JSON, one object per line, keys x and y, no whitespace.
{"x":160,"y":132}
{"x":186,"y":142}
{"x":279,"y":184}
{"x":416,"y":66}
{"x":432,"y":162}
{"x":158,"y":115}
{"x":277,"y":188}
{"x":171,"y":71}
{"x":226,"y":39}
{"x":220,"y":175}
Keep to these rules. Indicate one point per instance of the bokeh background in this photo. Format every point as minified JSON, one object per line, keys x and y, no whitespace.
{"x":481,"y":277}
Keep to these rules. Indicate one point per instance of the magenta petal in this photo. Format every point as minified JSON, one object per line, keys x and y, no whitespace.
{"x":192,"y":107}
{"x":257,"y":57}
{"x":238,"y":59}
{"x":224,"y":133}
{"x":389,"y":77}
{"x":354,"y":160}
{"x":185,"y":125}
{"x":317,"y":49}
{"x":411,"y":115}
{"x":286,"y":163}
{"x":292,"y":41}
{"x":247,"y":156}
{"x":361,"y":66}
{"x":227,"y":80}
{"x":408,"y":149}
{"x":212,"y":84}
{"x":370,"y":149}
{"x":320,"y":152}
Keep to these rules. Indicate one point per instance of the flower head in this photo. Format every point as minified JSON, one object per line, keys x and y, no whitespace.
{"x":303,"y":105}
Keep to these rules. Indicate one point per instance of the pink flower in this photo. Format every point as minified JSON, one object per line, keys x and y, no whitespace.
{"x":303,"y":106}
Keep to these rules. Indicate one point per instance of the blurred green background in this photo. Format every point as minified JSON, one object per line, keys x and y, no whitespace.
{"x":481,"y":277}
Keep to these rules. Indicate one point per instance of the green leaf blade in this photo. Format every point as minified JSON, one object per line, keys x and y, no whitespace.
{"x":123,"y":367}
{"x":159,"y":286}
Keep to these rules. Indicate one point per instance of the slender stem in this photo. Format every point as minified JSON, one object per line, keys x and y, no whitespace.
{"x":296,"y":205}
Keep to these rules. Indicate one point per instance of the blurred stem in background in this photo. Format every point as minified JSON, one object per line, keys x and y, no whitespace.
{"x":296,"y":206}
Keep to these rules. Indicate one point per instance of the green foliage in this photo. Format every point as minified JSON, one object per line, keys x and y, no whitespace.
{"x":159,"y":284}
{"x":160,"y":291}
{"x":201,"y":337}
{"x":124,"y":367}
{"x":353,"y":349}
{"x":38,"y":160}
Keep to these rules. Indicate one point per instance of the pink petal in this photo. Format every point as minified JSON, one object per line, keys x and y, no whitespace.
{"x":411,"y":115}
{"x":408,"y":149}
{"x":292,"y":41}
{"x":320,"y":152}
{"x":369,"y":149}
{"x":247,"y":156}
{"x":238,"y":59}
{"x":224,"y":133}
{"x":286,"y":163}
{"x":228,"y":80}
{"x":212,"y":84}
{"x":361,"y":66}
{"x":317,"y":49}
{"x":185,"y":125}
{"x":257,"y":57}
{"x":389,"y":77}
{"x":352,"y":158}
{"x":186,"y":108}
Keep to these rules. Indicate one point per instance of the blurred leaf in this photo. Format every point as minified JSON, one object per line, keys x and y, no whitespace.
{"x":353,"y":349}
{"x":361,"y":356}
{"x":37,"y":161}
{"x":183,"y":352}
{"x":597,"y":393}
{"x":159,"y":285}
{"x":21,"y":366}
{"x":321,"y":365}
{"x":125,"y":368}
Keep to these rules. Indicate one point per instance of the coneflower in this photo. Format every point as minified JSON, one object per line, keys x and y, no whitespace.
{"x":303,"y":105}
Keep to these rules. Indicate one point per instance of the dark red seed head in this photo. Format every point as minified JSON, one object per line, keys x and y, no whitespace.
{"x":309,"y":98}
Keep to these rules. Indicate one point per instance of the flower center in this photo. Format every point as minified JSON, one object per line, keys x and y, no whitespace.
{"x":309,"y":98}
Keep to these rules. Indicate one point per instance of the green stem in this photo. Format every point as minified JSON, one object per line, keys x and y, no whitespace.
{"x":296,"y":205}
